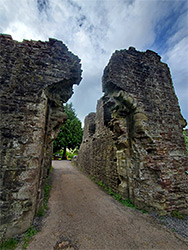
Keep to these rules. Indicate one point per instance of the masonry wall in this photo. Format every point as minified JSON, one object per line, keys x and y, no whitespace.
{"x":36,"y":78}
{"x":98,"y":151}
{"x":138,"y":148}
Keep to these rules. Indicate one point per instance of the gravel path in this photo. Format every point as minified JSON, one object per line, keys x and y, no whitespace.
{"x":177,"y":225}
{"x":82,"y":216}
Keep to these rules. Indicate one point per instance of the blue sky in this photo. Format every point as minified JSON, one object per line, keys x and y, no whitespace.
{"x":94,"y":29}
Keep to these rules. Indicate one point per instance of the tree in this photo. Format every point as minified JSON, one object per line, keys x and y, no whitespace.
{"x":70,"y":135}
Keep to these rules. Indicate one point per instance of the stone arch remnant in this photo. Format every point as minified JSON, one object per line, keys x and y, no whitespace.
{"x":138,"y":148}
{"x":35,"y":79}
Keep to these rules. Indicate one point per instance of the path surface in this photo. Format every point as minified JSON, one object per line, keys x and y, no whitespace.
{"x":92,"y":220}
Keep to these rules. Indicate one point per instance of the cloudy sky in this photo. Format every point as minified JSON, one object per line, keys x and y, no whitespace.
{"x":94,"y":29}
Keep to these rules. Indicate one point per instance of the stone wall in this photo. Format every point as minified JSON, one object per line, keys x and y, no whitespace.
{"x":138,"y":147}
{"x":35,"y":79}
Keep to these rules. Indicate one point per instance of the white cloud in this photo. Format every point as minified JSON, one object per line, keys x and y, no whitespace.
{"x":177,"y":59}
{"x":94,"y":29}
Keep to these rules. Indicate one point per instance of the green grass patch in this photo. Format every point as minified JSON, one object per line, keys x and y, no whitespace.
{"x":118,"y":197}
{"x":28,"y":236}
{"x":44,"y":207}
{"x":9,"y":244}
{"x":46,"y":195}
{"x":51,"y":169}
{"x":144,"y":211}
{"x":41,"y":212}
{"x":178,"y":215}
{"x":47,"y":188}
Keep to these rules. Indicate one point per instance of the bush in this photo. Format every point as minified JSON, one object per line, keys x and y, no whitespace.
{"x":70,"y":153}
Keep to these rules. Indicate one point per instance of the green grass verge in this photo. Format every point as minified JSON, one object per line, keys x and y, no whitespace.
{"x":47,"y":188}
{"x":118,"y":197}
{"x":28,"y":236}
{"x":128,"y":203}
{"x":178,"y":215}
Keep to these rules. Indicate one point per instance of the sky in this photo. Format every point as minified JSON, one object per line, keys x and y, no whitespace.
{"x":94,"y":29}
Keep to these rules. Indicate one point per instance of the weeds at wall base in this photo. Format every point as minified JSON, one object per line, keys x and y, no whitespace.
{"x":47,"y":188}
{"x":9,"y":244}
{"x":118,"y":197}
{"x":128,"y":203}
{"x":28,"y":236}
{"x":178,"y":215}
{"x":12,"y":243}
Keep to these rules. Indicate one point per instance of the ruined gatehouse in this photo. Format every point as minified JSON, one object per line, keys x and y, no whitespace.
{"x":133,"y":143}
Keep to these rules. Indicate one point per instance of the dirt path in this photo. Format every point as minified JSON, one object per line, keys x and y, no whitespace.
{"x":93,"y":220}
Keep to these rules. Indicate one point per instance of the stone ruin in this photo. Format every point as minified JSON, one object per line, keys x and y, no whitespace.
{"x":36,"y":78}
{"x":134,"y":142}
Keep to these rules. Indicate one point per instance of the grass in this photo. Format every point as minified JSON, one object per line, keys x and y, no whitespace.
{"x":28,"y":236}
{"x":9,"y":244}
{"x":51,"y":169}
{"x":118,"y":197}
{"x":44,"y":207}
{"x":128,"y":203}
{"x":12,"y":243}
{"x":32,"y":230}
{"x":178,"y":215}
{"x":41,"y":212}
{"x":47,"y":188}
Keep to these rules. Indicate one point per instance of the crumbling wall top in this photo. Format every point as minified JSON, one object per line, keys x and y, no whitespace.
{"x":36,"y":66}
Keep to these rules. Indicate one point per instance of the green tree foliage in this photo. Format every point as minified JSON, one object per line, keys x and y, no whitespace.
{"x":70,"y":135}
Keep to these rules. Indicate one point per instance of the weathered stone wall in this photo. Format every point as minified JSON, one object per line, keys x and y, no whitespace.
{"x":138,"y":147}
{"x":35,"y":79}
{"x":98,"y":151}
